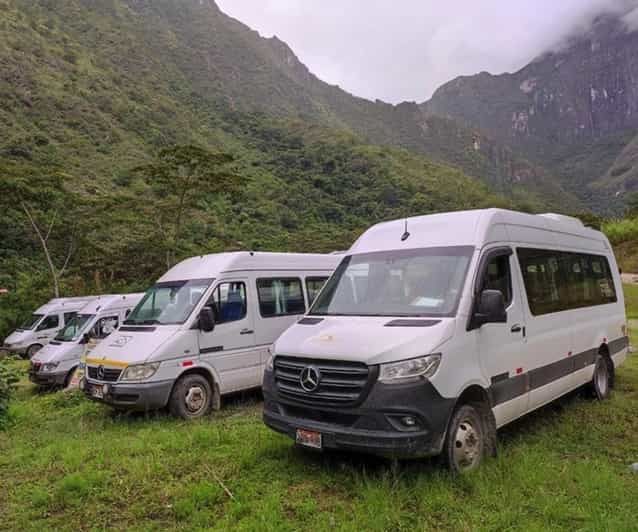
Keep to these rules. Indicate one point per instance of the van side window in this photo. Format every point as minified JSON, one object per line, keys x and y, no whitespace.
{"x":68,"y":316}
{"x":229,"y":302}
{"x":498,"y":277}
{"x":50,"y":322}
{"x":105,"y":326}
{"x":313,"y":286}
{"x":280,"y":297}
{"x":559,"y":280}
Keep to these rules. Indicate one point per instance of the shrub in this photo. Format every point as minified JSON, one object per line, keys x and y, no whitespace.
{"x":8,"y":379}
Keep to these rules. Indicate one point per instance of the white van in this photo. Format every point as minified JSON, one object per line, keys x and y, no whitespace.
{"x":40,"y":328}
{"x":54,"y":364}
{"x":437,"y":330}
{"x":204,"y":330}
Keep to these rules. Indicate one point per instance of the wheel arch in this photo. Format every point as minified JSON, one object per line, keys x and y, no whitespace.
{"x":209,"y":375}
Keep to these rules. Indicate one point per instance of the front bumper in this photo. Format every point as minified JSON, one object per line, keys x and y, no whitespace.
{"x":48,"y":379}
{"x":142,"y":396}
{"x":372,"y":427}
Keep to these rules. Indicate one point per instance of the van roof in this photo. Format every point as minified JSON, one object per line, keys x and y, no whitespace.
{"x":479,"y":227}
{"x":111,"y":301}
{"x":209,"y":266}
{"x":69,"y":304}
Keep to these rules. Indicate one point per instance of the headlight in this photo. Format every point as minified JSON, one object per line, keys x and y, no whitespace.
{"x":396,"y":372}
{"x":270,"y":363}
{"x":50,"y":366}
{"x":140,"y":372}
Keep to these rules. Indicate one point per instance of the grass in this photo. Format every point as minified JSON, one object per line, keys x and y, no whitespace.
{"x":68,"y":464}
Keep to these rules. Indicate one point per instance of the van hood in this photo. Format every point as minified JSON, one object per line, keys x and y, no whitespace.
{"x":55,"y":352}
{"x":132,"y":347}
{"x":17,"y":337}
{"x":364,"y":339}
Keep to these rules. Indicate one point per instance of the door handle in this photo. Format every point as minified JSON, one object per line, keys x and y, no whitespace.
{"x":516,"y":328}
{"x":246,"y":331}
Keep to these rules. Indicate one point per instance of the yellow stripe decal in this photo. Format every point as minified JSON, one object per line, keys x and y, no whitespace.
{"x":106,"y":362}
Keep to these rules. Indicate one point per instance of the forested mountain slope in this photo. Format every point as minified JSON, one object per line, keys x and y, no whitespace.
{"x":93,"y":92}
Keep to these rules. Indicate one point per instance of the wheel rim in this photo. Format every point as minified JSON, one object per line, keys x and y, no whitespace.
{"x":602,"y":379}
{"x":195,"y":399}
{"x":467,"y":446}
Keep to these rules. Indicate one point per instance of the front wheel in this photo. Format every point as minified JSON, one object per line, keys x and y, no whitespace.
{"x":32,"y":350}
{"x":191,"y":398}
{"x":466,"y":440}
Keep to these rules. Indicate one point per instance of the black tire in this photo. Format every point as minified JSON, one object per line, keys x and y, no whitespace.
{"x":468,"y":439}
{"x":32,"y":350}
{"x":69,"y":376}
{"x":191,"y":398}
{"x":601,"y":381}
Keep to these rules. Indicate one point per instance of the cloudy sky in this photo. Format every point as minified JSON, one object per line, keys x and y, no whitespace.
{"x":404,"y":49}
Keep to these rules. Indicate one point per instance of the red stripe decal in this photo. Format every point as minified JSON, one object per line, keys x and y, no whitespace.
{"x":187,"y":363}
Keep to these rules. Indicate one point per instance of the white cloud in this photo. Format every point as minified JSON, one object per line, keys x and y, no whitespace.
{"x":404,"y":50}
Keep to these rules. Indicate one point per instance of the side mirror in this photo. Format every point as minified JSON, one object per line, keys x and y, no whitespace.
{"x":86,"y":338}
{"x":207,"y":319}
{"x":490,"y":309}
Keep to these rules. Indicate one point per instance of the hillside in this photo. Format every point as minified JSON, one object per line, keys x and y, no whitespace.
{"x":573,"y":111}
{"x":90,"y":90}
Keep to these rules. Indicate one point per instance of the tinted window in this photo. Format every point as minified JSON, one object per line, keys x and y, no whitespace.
{"x":50,"y":322}
{"x":497,"y":277}
{"x":313,"y":286}
{"x":556,"y":280}
{"x":68,"y":316}
{"x":229,"y":302}
{"x":279,"y":297}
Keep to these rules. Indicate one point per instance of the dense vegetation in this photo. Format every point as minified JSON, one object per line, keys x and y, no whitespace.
{"x":98,"y":99}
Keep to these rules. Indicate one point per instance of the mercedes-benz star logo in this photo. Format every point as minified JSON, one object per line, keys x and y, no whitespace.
{"x":100,"y":373}
{"x":310,"y":378}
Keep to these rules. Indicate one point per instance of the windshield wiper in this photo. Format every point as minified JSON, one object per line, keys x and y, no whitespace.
{"x":141,"y":322}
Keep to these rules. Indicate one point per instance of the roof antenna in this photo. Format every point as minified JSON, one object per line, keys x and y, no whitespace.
{"x":406,"y":233}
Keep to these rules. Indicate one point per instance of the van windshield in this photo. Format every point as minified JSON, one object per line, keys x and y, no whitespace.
{"x":74,"y":328}
{"x":412,"y":283}
{"x":169,"y":302}
{"x":31,"y":322}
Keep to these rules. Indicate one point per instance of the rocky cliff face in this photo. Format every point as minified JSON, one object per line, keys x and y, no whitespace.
{"x":572,"y":110}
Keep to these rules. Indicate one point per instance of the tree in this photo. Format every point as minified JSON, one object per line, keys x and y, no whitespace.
{"x":47,"y":208}
{"x":178,"y":178}
{"x":631,"y":205}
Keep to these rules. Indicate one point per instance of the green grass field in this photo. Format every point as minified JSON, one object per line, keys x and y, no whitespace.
{"x":68,"y":464}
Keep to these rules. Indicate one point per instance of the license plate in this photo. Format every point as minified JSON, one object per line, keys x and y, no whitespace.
{"x":309,"y":438}
{"x":97,"y":392}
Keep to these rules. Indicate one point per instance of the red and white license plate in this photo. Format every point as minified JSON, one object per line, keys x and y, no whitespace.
{"x":309,"y":438}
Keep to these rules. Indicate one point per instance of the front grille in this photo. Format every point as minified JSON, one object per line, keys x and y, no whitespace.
{"x":341,"y":383}
{"x":110,"y":375}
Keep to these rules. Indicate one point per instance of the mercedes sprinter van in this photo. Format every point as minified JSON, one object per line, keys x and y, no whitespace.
{"x":40,"y":328}
{"x":435,"y":331}
{"x":204,"y":330}
{"x":55,"y":363}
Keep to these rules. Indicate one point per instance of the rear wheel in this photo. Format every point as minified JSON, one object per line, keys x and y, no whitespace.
{"x":191,"y":398}
{"x":600,"y":386}
{"x":466,"y":440}
{"x":32,"y":350}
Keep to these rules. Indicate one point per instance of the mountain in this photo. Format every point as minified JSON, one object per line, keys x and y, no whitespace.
{"x":573,"y":111}
{"x":91,"y":90}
